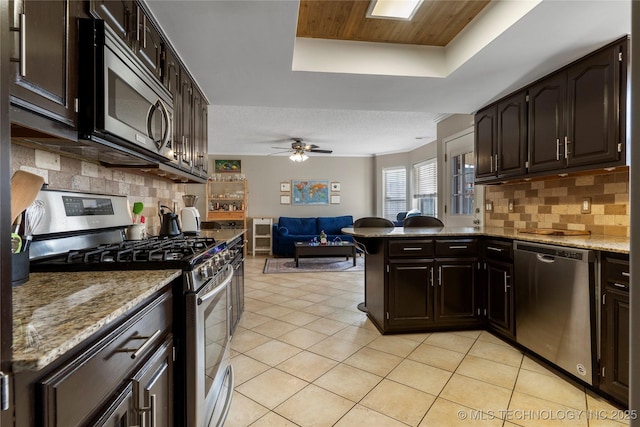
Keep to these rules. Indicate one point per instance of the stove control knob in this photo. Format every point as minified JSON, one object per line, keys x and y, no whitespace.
{"x":211,"y":269}
{"x":203,"y":272}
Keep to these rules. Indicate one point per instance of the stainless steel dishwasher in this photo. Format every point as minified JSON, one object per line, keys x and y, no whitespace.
{"x":555,"y":290}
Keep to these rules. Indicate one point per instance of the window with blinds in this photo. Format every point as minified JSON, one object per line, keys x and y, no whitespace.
{"x":394,"y":184}
{"x":425,"y":179}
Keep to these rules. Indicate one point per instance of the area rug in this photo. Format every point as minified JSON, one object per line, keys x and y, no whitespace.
{"x":312,"y":265}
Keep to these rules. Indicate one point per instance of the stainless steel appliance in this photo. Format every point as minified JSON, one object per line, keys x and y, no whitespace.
{"x":83,"y":231}
{"x":121,"y":103}
{"x":556,"y":305}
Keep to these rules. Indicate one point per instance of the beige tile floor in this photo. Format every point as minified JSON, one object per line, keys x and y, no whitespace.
{"x":303,"y":355}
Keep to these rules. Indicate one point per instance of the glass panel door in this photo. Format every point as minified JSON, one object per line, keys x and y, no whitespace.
{"x":460,"y":206}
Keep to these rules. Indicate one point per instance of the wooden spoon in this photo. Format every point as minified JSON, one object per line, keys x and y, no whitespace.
{"x":24,"y":190}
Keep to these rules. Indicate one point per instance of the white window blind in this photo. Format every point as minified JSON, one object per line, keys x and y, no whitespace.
{"x":394,"y":184}
{"x":425,"y":195}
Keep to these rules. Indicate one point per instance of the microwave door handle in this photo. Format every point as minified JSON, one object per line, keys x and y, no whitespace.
{"x":159,"y":105}
{"x":167,"y":121}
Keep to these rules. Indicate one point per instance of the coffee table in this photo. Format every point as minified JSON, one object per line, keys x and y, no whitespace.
{"x":313,"y":250}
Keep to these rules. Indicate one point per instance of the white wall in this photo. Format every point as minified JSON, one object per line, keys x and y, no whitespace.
{"x":265,"y":173}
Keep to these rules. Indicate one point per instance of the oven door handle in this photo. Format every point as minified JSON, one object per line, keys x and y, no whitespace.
{"x":218,"y":288}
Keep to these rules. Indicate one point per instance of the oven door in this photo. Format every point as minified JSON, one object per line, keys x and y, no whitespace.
{"x":209,"y":375}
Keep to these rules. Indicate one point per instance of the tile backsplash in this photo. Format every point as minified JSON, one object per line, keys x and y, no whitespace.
{"x":556,"y":203}
{"x":65,"y":173}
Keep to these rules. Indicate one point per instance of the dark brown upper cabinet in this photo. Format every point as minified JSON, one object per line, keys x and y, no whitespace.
{"x":571,"y":120}
{"x":148,"y":43}
{"x":117,"y":15}
{"x":486,"y":141}
{"x":501,"y":139}
{"x":595,"y":99}
{"x":574,"y":116}
{"x":44,"y":58}
{"x":135,"y":27}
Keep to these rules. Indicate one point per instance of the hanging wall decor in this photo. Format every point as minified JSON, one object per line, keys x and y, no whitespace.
{"x":227,"y":166}
{"x":310,"y":191}
{"x":285,"y":187}
{"x":335,"y":186}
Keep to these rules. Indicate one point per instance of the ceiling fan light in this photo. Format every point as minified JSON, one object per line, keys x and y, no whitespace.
{"x":393,"y":9}
{"x":298,"y":156}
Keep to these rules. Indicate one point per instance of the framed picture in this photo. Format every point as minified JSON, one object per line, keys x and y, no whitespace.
{"x":285,"y":187}
{"x":335,"y":186}
{"x":310,"y":192}
{"x":227,"y":166}
{"x":285,"y":199}
{"x":335,"y":199}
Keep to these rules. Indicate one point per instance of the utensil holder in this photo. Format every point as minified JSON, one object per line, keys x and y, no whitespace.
{"x":19,"y":268}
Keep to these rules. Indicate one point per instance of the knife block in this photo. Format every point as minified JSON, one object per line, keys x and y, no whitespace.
{"x":19,"y":268}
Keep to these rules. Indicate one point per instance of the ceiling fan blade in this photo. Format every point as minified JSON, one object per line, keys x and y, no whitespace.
{"x":282,"y":148}
{"x":315,"y":150}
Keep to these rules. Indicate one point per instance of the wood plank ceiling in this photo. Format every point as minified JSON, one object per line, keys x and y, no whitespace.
{"x":435,"y":23}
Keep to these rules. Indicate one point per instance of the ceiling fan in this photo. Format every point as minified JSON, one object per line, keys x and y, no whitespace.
{"x":299,"y":150}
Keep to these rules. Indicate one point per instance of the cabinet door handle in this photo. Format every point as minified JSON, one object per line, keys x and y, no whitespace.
{"x":432,"y":277}
{"x":22,"y":33}
{"x":506,"y":280}
{"x":620,"y":285}
{"x":151,"y":409}
{"x":626,"y":274}
{"x":558,"y":149}
{"x":566,"y":147}
{"x":497,"y":165}
{"x":491,"y":248}
{"x":144,"y":31}
{"x":440,"y":275}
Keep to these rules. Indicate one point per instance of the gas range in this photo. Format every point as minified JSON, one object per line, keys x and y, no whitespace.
{"x":83,"y":232}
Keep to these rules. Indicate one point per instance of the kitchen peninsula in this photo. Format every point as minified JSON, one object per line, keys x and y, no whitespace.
{"x":448,"y":278}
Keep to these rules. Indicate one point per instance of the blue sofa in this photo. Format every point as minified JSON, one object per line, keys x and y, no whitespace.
{"x":289,"y":230}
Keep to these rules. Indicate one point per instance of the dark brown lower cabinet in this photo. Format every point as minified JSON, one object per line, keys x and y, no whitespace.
{"x":614,"y":360}
{"x":410,"y":294}
{"x":456,"y":291}
{"x":425,"y":292}
{"x":122,"y":377}
{"x":153,"y":389}
{"x":500,"y":314}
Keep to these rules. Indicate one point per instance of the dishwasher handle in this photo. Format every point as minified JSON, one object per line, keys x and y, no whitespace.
{"x":546,"y":258}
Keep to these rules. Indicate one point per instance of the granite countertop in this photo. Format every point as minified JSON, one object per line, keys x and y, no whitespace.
{"x":54,"y":312}
{"x":594,"y":242}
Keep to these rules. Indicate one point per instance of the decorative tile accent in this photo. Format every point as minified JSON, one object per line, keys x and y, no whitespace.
{"x":555,"y":203}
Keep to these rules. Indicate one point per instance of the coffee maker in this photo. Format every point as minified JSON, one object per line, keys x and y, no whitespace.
{"x":189,"y":215}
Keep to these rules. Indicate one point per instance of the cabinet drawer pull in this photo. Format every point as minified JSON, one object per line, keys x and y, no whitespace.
{"x":458,"y":247}
{"x":620,"y":285}
{"x":138,"y":351}
{"x":491,"y":248}
{"x":411,"y":249}
{"x":626,"y":274}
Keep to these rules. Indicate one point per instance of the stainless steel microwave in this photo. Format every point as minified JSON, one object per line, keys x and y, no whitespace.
{"x":121,"y":104}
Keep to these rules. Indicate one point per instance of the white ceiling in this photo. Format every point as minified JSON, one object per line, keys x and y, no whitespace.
{"x":240,"y":52}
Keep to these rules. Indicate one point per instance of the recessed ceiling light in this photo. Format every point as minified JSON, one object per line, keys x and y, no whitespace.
{"x":393,"y":9}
